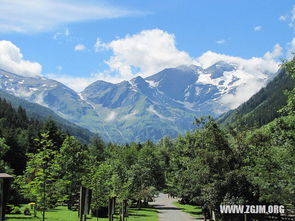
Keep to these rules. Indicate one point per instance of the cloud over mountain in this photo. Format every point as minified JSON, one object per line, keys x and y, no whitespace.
{"x":147,"y":52}
{"x":11,"y":59}
{"x":253,"y":73}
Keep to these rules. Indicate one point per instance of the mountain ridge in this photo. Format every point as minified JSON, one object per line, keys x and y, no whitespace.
{"x":163,"y":104}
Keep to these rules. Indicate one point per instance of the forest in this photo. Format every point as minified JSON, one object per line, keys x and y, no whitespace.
{"x":213,"y":164}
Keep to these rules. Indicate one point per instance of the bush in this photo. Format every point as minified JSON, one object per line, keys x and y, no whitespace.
{"x":16,"y":210}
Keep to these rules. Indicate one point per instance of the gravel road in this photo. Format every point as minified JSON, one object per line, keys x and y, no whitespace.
{"x":169,"y":212}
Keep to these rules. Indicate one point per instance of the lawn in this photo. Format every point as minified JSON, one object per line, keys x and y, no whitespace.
{"x":195,"y":211}
{"x":61,"y":213}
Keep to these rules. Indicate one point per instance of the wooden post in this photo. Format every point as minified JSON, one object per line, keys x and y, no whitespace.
{"x":81,"y":203}
{"x":113,"y":205}
{"x":85,"y":202}
{"x":110,"y":209}
{"x":4,"y":189}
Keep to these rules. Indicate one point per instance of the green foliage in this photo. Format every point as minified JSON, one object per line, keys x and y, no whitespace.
{"x":128,"y":172}
{"x":72,"y":160}
{"x":290,"y":106}
{"x":270,"y":160}
{"x":101,"y":185}
{"x":3,"y":150}
{"x":20,"y":132}
{"x":39,"y":179}
{"x":96,"y":149}
{"x":199,"y":165}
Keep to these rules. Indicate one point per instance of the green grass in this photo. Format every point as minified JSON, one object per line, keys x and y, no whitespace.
{"x":61,"y":213}
{"x":195,"y":211}
{"x":144,"y":214}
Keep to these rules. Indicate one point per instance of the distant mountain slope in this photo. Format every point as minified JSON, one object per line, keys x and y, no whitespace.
{"x":262,"y":107}
{"x":42,"y":113}
{"x":163,"y":104}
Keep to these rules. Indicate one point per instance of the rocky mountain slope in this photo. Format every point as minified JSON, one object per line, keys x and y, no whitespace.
{"x":163,"y":104}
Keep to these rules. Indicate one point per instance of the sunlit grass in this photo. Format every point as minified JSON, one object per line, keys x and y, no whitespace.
{"x":194,"y":211}
{"x":61,"y":213}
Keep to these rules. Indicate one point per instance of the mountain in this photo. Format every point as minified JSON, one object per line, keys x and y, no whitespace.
{"x":262,"y":107}
{"x":41,"y":113}
{"x":163,"y":104}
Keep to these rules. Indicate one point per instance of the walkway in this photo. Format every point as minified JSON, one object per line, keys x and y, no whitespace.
{"x":169,"y":212}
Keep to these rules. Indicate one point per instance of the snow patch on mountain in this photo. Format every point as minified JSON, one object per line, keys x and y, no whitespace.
{"x":130,"y":116}
{"x":152,"y":83}
{"x":111,"y":116}
{"x":152,"y":110}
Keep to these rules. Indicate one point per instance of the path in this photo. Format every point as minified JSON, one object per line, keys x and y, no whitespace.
{"x":169,"y":212}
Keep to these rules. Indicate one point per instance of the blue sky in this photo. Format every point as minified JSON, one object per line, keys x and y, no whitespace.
{"x":78,"y":42}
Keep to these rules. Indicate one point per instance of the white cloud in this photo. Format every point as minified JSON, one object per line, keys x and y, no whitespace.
{"x":67,"y":32}
{"x":149,"y":51}
{"x":79,"y":47}
{"x":78,"y":84}
{"x":243,"y":93}
{"x":291,"y":49}
{"x":283,"y":17}
{"x":62,"y":35}
{"x":59,"y":68}
{"x":257,"y":28}
{"x":99,"y":45}
{"x":42,"y":15}
{"x":220,"y":41}
{"x":293,"y":15}
{"x":292,"y":18}
{"x":252,"y":73}
{"x":276,"y":53}
{"x":11,"y":59}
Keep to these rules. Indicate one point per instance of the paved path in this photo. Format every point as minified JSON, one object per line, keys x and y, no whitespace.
{"x":169,"y":212}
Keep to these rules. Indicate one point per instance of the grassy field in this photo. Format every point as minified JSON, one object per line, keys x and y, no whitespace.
{"x":195,"y":211}
{"x":63,"y":214}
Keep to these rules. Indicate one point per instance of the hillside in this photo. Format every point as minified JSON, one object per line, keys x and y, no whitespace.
{"x":41,"y":113}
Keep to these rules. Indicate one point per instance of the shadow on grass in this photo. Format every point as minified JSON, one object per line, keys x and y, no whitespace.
{"x":19,"y":217}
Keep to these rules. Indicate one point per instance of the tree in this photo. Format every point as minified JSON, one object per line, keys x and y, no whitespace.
{"x":271,"y":159}
{"x":3,"y":149}
{"x":101,"y":185}
{"x":147,"y":175}
{"x":290,"y":106}
{"x":39,"y":179}
{"x":55,"y":134}
{"x":200,"y":163}
{"x":73,"y":160}
{"x":97,"y":148}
